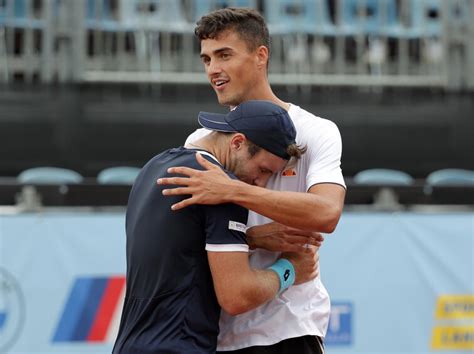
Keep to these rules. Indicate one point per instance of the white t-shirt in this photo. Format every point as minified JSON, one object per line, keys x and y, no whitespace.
{"x":302,"y":309}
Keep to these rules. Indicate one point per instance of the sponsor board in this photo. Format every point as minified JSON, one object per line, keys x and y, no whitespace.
{"x":454,"y":328}
{"x":92,"y":310}
{"x":340,"y":324}
{"x":12,"y":310}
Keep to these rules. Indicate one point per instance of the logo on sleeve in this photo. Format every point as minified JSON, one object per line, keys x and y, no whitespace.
{"x":287,"y":274}
{"x":237,"y":226}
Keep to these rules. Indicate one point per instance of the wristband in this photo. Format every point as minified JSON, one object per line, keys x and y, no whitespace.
{"x":286,"y":273}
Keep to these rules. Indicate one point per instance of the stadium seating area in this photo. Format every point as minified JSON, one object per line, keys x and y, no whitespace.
{"x":381,"y":188}
{"x":357,"y":42}
{"x":149,"y":46}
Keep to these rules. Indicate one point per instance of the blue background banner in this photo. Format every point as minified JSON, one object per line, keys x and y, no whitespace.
{"x":399,"y":282}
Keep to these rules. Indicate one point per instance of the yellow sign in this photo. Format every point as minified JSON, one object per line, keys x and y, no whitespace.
{"x":453,"y":337}
{"x":455,"y":307}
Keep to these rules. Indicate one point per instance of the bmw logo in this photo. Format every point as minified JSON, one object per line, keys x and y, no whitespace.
{"x":12,"y":310}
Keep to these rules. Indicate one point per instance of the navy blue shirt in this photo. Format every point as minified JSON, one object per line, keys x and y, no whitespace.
{"x":170,"y":304}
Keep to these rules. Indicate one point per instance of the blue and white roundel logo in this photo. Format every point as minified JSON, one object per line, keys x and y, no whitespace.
{"x":12,"y":310}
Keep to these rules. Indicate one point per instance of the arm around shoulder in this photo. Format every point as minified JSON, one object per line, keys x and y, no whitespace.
{"x":317,"y":210}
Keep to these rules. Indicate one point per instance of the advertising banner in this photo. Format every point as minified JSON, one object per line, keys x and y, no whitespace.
{"x":399,"y":282}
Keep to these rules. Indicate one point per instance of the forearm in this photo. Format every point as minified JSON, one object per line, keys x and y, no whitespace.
{"x":304,"y":211}
{"x":261,"y":287}
{"x":248,"y":291}
{"x":240,"y":288}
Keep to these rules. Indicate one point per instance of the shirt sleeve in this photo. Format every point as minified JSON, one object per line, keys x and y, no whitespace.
{"x":325,"y":158}
{"x":225,"y":228}
{"x":196,"y":135}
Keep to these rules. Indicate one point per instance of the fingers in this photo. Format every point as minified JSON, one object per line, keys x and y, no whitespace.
{"x":181,"y":170}
{"x":177,"y":191}
{"x":313,"y":241}
{"x":318,"y":239}
{"x":318,"y":236}
{"x":315,"y":274}
{"x":309,"y":238}
{"x":290,"y":247}
{"x":263,"y":230}
{"x":311,"y":252}
{"x":182,"y":181}
{"x":302,"y":240}
{"x":316,"y":258}
{"x":183,"y":204}
{"x":186,"y":171}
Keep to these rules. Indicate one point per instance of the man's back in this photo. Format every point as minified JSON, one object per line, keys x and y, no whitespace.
{"x":170,"y":304}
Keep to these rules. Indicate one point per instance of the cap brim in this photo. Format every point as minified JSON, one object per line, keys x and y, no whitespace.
{"x":214,"y":121}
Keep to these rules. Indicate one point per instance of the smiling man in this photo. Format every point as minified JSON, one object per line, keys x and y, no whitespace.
{"x":308,"y":195}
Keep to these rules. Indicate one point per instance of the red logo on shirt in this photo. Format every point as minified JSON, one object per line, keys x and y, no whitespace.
{"x":289,"y":172}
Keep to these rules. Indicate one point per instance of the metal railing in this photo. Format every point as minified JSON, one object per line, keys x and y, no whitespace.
{"x":314,"y":42}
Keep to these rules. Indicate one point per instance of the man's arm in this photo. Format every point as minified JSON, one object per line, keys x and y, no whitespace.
{"x":240,"y":288}
{"x":280,"y":238}
{"x":317,"y":210}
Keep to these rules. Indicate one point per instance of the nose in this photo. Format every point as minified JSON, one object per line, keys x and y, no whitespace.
{"x":213,"y":68}
{"x":260,"y":181}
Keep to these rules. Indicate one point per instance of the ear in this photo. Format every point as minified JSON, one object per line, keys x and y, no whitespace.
{"x":237,"y":141}
{"x":262,"y":57}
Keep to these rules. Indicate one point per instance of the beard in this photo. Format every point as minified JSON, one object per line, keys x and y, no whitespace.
{"x":240,"y":169}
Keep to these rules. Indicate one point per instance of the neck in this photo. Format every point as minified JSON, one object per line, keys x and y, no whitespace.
{"x":265,"y":93}
{"x":214,"y":144}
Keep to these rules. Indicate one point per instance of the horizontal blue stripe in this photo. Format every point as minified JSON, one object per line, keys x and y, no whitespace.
{"x":89,"y":312}
{"x":3,"y":319}
{"x":75,"y":305}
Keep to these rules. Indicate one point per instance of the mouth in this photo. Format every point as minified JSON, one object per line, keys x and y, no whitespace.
{"x":219,"y":84}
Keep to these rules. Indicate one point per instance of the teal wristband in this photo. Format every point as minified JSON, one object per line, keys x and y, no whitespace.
{"x":286,"y":273}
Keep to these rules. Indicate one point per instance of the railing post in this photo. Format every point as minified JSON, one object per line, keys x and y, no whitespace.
{"x":47,"y":46}
{"x":78,"y":39}
{"x":470,"y":48}
{"x":458,"y":45}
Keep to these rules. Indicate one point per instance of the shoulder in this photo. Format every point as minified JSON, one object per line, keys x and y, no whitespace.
{"x":180,"y":156}
{"x":196,"y":135}
{"x":225,"y":223}
{"x":303,"y":118}
{"x":312,"y":129}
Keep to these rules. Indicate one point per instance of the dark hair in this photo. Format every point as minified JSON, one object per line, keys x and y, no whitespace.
{"x":293,"y":150}
{"x":248,"y":23}
{"x":296,"y":151}
{"x":252,"y":148}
